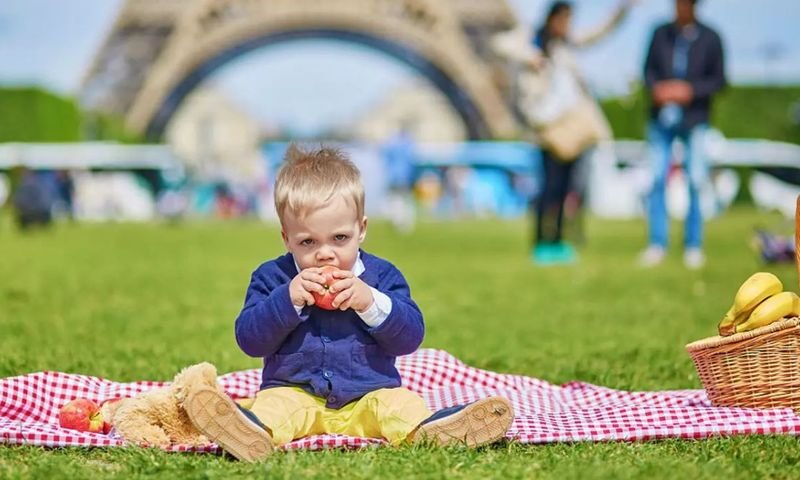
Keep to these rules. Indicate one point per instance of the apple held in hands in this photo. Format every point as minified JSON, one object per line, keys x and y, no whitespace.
{"x":325,"y":300}
{"x":82,"y":415}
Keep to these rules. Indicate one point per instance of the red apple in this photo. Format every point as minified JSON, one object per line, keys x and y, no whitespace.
{"x":82,"y":415}
{"x":325,"y":300}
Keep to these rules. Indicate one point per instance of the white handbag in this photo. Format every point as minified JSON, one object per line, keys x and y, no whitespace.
{"x":566,"y":120}
{"x":571,"y":134}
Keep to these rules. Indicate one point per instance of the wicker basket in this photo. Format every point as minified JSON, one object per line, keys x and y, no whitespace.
{"x":759,"y":368}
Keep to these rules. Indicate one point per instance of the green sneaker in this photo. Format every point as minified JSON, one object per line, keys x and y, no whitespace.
{"x":543,"y":253}
{"x":554,"y":254}
{"x":565,"y":253}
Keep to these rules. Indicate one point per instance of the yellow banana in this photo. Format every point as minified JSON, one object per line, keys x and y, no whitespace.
{"x":784,"y":304}
{"x":731,"y":319}
{"x":753,"y":291}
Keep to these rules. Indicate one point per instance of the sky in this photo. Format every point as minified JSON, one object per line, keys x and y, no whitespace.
{"x":312,"y":84}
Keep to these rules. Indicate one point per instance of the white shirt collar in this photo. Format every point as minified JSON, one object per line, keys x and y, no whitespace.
{"x":358,"y":267}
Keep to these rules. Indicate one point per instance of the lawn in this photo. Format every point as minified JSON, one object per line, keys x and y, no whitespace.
{"x":132,"y":302}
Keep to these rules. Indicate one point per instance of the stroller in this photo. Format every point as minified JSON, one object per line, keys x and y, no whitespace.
{"x":774,"y":248}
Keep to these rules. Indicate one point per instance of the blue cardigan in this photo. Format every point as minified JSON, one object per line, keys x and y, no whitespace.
{"x":330,"y":354}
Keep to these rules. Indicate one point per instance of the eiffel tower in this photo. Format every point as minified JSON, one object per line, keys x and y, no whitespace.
{"x":158,"y":51}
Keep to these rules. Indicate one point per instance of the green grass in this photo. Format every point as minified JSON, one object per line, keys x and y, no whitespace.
{"x":132,"y":302}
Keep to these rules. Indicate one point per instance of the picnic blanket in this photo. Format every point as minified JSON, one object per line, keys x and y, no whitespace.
{"x":544,"y":412}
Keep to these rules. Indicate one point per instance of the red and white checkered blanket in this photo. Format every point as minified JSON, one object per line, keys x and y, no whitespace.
{"x":545,"y":413}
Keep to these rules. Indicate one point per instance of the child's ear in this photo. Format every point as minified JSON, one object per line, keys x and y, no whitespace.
{"x":363,"y":233}
{"x":285,"y":239}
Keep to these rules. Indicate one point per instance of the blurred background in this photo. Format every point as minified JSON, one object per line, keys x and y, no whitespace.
{"x":140,"y":110}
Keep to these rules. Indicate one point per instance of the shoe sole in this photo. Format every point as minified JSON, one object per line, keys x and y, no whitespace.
{"x":218,"y":418}
{"x":479,"y":423}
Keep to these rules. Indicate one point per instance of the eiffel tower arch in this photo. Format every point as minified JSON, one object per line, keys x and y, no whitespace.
{"x":158,"y":51}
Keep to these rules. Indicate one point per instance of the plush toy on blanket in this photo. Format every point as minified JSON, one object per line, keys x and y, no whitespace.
{"x":156,"y":417}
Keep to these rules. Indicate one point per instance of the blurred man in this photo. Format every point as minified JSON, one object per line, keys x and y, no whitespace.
{"x":32,"y":201}
{"x":398,"y":155}
{"x":683,"y":71}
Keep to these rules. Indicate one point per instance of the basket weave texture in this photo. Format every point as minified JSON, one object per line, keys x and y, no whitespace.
{"x":756,"y":369}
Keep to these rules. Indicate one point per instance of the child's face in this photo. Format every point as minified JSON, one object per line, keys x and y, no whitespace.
{"x":328,"y":235}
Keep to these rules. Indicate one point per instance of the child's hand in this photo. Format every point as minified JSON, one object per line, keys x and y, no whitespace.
{"x":305,"y":282}
{"x":351,"y":292}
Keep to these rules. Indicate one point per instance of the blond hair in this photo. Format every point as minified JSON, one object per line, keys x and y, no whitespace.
{"x":308,"y":179}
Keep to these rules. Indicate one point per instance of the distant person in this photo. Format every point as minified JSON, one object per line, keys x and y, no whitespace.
{"x":225,"y":205}
{"x":398,"y":155}
{"x":683,"y":71}
{"x":428,"y":188}
{"x":4,"y":191}
{"x":554,"y":100}
{"x":172,"y":204}
{"x":329,"y":345}
{"x":32,"y":201}
{"x":65,"y":193}
{"x":456,"y":181}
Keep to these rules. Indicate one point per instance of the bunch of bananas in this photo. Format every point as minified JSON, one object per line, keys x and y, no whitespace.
{"x":759,"y":301}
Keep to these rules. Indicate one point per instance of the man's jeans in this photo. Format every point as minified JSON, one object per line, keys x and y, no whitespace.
{"x":659,"y":151}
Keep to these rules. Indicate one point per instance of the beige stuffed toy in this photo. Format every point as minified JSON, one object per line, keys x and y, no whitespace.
{"x":156,"y":417}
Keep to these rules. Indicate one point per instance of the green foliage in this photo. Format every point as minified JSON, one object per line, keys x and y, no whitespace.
{"x":32,"y":114}
{"x":760,"y":112}
{"x":98,"y":126}
{"x":739,"y":112}
{"x":131,"y":302}
{"x":627,"y":115}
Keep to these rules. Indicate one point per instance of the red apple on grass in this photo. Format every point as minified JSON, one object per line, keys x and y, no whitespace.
{"x":325,"y":300}
{"x":82,"y":415}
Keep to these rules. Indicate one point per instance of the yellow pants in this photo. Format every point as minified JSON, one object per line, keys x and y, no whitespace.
{"x":291,"y":413}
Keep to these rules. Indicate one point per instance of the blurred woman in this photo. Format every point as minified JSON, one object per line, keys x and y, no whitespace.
{"x":565,"y":121}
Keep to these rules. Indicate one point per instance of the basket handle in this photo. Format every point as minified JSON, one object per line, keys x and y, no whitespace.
{"x":797,"y":238}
